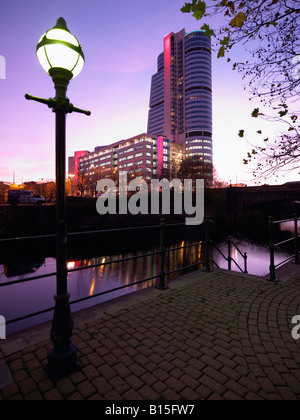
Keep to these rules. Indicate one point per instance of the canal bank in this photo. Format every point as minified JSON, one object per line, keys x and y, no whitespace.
{"x":226,"y":206}
{"x":98,"y":273}
{"x":88,"y":231}
{"x":216,"y":335}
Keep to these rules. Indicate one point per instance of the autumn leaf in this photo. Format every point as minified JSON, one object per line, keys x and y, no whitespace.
{"x":255,"y":113}
{"x":186,"y":8}
{"x":221,"y":52}
{"x":199,"y":9}
{"x":283,"y":113}
{"x":208,"y":31}
{"x":230,"y":4}
{"x":225,"y":41}
{"x":238,"y":21}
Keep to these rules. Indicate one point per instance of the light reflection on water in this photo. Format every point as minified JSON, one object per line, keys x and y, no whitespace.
{"x":19,"y":300}
{"x":258,"y":257}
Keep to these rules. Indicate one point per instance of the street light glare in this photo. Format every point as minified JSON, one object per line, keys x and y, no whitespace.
{"x":58,"y":48}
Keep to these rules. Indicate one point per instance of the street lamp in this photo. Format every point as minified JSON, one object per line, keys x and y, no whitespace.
{"x":61,"y":56}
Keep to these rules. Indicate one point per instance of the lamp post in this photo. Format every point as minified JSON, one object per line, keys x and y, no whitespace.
{"x":61,"y":56}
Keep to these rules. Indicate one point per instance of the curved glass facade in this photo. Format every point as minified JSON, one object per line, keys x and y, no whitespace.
{"x":181,"y":96}
{"x":198,"y":101}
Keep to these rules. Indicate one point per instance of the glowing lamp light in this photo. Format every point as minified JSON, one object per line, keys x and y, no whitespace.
{"x":59,"y":49}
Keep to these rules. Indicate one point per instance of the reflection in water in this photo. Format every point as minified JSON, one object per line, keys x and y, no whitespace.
{"x":289,"y":226}
{"x":14,"y":270}
{"x":258,"y":257}
{"x":21,"y":299}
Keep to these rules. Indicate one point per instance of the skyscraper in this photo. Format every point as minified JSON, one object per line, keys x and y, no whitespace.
{"x":181,"y":96}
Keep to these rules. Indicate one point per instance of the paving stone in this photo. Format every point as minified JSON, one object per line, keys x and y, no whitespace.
{"x":221,"y":336}
{"x":101,"y":384}
{"x":53,"y":395}
{"x":86,"y":389}
{"x":65,"y":386}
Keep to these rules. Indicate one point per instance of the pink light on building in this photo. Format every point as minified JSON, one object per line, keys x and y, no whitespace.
{"x":160,"y":154}
{"x":78,"y":155}
{"x":167,"y":85}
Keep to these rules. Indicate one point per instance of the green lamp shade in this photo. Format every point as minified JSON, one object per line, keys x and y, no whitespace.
{"x":58,"y":48}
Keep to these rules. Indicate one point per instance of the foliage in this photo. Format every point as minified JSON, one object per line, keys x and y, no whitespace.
{"x":280,"y":155}
{"x":217,"y":182}
{"x":194,"y":168}
{"x":269,"y":31}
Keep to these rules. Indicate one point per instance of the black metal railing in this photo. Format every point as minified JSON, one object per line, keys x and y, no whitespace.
{"x":231,"y":246}
{"x":207,"y":262}
{"x":272,"y":246}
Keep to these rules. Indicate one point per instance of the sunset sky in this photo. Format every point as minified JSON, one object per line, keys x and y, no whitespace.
{"x":121,"y":41}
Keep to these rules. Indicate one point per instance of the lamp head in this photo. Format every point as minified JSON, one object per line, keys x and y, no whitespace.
{"x":59,"y":50}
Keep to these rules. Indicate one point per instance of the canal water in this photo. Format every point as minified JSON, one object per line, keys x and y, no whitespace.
{"x":18,"y":300}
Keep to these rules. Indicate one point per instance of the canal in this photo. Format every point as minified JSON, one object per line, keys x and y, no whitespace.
{"x":18,"y":300}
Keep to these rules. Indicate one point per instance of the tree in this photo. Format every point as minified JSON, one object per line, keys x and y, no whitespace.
{"x":281,"y":155}
{"x":82,"y":182}
{"x":194,"y":168}
{"x":174,"y":168}
{"x":269,"y":30}
{"x":271,"y":27}
{"x":217,"y":182}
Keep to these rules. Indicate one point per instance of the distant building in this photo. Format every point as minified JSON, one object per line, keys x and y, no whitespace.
{"x":143,"y":155}
{"x":73,"y":169}
{"x":4,"y":187}
{"x":181,"y":96}
{"x":240,"y":185}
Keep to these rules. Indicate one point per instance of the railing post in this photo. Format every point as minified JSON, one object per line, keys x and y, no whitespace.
{"x":207,"y":268}
{"x":272,"y":248}
{"x":296,"y":240}
{"x":162,"y":274}
{"x":245,"y":263}
{"x":229,"y":252}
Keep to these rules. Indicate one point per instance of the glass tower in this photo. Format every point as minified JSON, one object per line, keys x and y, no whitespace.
{"x":181,"y":97}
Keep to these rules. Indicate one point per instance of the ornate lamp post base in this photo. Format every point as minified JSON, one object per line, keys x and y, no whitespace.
{"x":62,"y":358}
{"x":62,"y":363}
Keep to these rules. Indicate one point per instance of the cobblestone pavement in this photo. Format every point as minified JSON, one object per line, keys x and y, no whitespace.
{"x":209,"y":336}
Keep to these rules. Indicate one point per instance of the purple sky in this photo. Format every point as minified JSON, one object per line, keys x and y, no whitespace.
{"x":121,"y":41}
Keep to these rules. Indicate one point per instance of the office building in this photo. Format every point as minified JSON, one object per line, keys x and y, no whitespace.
{"x":73,"y":161}
{"x":143,"y":155}
{"x":181,"y":97}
